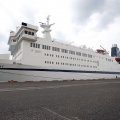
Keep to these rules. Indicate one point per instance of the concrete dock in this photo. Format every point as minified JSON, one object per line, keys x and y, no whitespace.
{"x":66,"y":100}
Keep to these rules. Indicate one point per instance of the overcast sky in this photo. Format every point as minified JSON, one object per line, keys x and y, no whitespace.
{"x":78,"y":22}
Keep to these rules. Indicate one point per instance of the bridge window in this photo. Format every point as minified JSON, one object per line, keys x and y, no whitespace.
{"x":32,"y":33}
{"x":26,"y":32}
{"x":29,"y":32}
{"x":14,"y":40}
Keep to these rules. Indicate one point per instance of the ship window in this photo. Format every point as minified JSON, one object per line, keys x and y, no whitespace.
{"x":48,"y":47}
{"x":71,"y":52}
{"x":84,"y":54}
{"x":14,"y":40}
{"x":38,"y":45}
{"x":29,"y":32}
{"x":26,"y":32}
{"x":45,"y":47}
{"x":33,"y":44}
{"x":90,"y":56}
{"x":78,"y":53}
{"x":32,"y":33}
{"x":55,"y":49}
{"x":64,"y":50}
{"x":42,"y":46}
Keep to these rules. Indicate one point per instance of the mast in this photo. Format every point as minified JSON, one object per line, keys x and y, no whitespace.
{"x":46,"y":29}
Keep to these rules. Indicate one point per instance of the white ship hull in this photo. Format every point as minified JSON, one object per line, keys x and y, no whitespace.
{"x":43,"y":59}
{"x":27,"y":73}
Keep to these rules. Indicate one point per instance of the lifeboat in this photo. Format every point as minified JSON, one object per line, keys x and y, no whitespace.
{"x":100,"y":51}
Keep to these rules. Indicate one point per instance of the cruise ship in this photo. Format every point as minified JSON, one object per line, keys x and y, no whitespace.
{"x":36,"y":58}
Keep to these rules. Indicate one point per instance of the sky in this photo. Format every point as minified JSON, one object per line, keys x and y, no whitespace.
{"x":90,"y":23}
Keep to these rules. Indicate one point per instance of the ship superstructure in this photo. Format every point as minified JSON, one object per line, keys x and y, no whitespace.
{"x":42,"y":58}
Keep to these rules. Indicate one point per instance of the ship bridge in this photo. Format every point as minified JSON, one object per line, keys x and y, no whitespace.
{"x":25,"y":32}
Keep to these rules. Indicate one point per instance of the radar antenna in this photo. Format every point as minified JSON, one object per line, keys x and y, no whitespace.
{"x":46,"y":28}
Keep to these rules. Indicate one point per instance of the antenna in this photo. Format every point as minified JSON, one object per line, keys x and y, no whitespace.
{"x":104,"y":49}
{"x":46,"y":28}
{"x":48,"y":19}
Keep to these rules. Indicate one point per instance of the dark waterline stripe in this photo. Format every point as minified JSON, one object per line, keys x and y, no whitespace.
{"x":59,"y":70}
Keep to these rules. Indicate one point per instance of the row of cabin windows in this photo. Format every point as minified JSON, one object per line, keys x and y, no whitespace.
{"x":29,"y":32}
{"x":46,"y":47}
{"x":36,"y":45}
{"x":64,"y":51}
{"x":55,"y":49}
{"x":69,"y":64}
{"x":66,"y":57}
{"x":72,"y":52}
{"x":109,"y":60}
